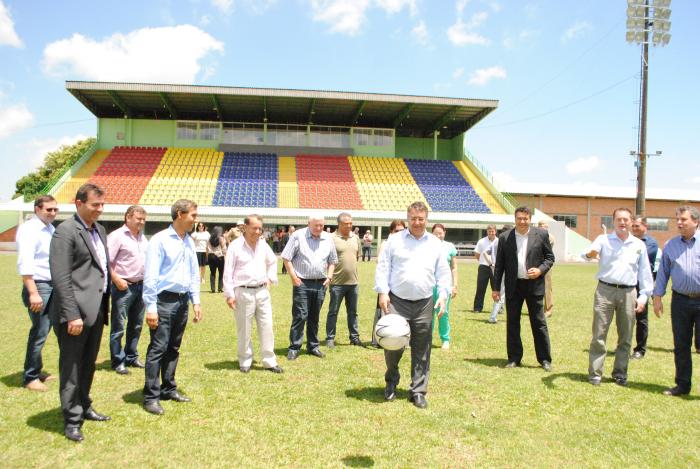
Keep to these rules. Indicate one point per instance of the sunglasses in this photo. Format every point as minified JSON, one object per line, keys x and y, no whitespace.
{"x":51,"y":209}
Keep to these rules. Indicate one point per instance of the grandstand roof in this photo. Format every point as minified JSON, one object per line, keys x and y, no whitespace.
{"x":411,"y":116}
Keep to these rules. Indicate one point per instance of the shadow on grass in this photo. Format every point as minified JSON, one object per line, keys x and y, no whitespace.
{"x":358,"y":461}
{"x":134,"y":397}
{"x":660,"y":349}
{"x":495,"y":362}
{"x":15,"y":380}
{"x":608,"y":353}
{"x":104,"y":365}
{"x":48,"y":421}
{"x":578,"y":377}
{"x":223,"y":365}
{"x":373,"y":394}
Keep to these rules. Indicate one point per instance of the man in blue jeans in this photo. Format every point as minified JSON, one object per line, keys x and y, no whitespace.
{"x":344,"y":284}
{"x":127,"y":256}
{"x":33,"y":242}
{"x":171,"y":282}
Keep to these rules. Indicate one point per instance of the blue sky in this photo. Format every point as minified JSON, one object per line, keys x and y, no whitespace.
{"x":567,"y":81}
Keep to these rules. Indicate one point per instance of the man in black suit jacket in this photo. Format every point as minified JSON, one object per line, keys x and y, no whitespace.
{"x":524,"y":256}
{"x":78,"y":261}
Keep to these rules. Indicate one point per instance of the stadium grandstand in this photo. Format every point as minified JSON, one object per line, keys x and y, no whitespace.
{"x":284,"y":154}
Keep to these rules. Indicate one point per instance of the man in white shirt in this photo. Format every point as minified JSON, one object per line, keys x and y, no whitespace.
{"x":249,"y":270}
{"x":410,"y":265}
{"x":33,"y":243}
{"x":484,"y":253}
{"x":623,"y":263}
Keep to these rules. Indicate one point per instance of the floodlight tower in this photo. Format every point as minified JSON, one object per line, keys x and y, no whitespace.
{"x":646,"y":18}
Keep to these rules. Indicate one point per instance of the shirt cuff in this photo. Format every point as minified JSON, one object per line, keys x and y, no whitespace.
{"x":152,"y":308}
{"x":642,"y":299}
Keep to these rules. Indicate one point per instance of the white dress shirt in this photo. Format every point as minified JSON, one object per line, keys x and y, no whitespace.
{"x":485,"y":246}
{"x":248,"y":267}
{"x":33,"y":241}
{"x":521,"y":245}
{"x":410,"y":268}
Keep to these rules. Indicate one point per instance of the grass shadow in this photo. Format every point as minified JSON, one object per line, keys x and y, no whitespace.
{"x":608,"y":353}
{"x":223,"y":365}
{"x":493,"y":362}
{"x":372,"y":394}
{"x":15,"y":380}
{"x":660,"y":349}
{"x":577,"y":377}
{"x":104,"y":365}
{"x":134,"y":397}
{"x":358,"y":461}
{"x":48,"y":421}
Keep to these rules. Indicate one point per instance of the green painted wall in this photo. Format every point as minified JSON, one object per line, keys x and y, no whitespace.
{"x":423,"y":148}
{"x":382,"y":152}
{"x":8,"y":220}
{"x":144,"y":132}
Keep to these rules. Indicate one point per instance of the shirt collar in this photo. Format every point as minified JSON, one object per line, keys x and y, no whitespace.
{"x":309,"y":235}
{"x":614,"y":235}
{"x":82,"y":222}
{"x":172,"y":232}
{"x":407,"y":233}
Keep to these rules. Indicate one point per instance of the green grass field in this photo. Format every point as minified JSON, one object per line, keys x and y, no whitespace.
{"x":331,"y":412}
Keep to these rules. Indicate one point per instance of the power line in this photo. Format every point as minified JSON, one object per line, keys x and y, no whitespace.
{"x":51,"y":124}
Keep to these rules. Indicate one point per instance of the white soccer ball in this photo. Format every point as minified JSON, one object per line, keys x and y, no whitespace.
{"x":392,"y":332}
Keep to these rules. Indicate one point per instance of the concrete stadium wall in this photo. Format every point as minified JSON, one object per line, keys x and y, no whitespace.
{"x":423,"y":148}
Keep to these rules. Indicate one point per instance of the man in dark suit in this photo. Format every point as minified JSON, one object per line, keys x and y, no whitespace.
{"x":524,"y":256}
{"x":79,"y":267}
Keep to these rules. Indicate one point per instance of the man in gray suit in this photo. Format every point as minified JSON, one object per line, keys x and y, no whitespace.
{"x":79,"y":266}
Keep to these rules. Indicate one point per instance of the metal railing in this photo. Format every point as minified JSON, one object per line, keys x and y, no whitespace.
{"x":506,"y":200}
{"x":68,"y":171}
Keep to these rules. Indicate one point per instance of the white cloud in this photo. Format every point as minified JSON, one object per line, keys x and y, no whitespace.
{"x":343,"y":16}
{"x":484,"y":75}
{"x":460,"y":5}
{"x":584,"y":164}
{"x":395,"y":6}
{"x":8,"y":35}
{"x":502,"y":178}
{"x":576,"y":30}
{"x":35,"y":150}
{"x":522,"y":38}
{"x":204,"y":20}
{"x":14,"y":119}
{"x":459,"y":36}
{"x":167,"y":54}
{"x":420,"y":33}
{"x":495,"y":6}
{"x":694,"y":180}
{"x":224,"y":6}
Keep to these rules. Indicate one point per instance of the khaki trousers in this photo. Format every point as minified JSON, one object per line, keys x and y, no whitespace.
{"x":254,"y":303}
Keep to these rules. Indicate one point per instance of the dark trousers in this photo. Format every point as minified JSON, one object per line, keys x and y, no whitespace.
{"x":642,"y":332}
{"x":127,"y":308}
{"x":41,"y":325}
{"x":307,"y":300}
{"x":377,"y":316}
{"x":685,"y":313}
{"x":164,"y":349}
{"x":76,"y":362}
{"x":484,"y":277}
{"x":216,"y":263}
{"x":350,"y":294}
{"x":367,"y":251}
{"x":538,"y":323}
{"x":419,"y":315}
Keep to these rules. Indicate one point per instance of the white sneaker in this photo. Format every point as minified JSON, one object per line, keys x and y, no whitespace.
{"x":492,"y":321}
{"x":445,"y":345}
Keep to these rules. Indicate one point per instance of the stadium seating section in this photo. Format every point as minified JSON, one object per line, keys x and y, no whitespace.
{"x":159,"y":176}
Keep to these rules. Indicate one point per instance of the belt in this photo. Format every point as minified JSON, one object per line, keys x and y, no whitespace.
{"x":43,"y":281}
{"x":614,"y":285}
{"x":140,"y":282}
{"x":252,"y":287}
{"x":313,"y":279}
{"x":692,"y":296}
{"x":172,"y":294}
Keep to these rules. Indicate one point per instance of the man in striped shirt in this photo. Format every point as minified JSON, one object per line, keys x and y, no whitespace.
{"x":680,"y":262}
{"x":310,"y":258}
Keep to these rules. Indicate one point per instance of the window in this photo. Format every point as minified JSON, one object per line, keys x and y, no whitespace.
{"x":657,"y":224}
{"x":383,"y":137}
{"x":208,"y":131}
{"x":186,"y":130}
{"x":607,"y":220}
{"x":362,"y":136}
{"x":242,"y":133}
{"x":569,"y":220}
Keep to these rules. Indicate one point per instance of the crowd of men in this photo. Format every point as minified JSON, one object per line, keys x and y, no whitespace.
{"x":70,"y":274}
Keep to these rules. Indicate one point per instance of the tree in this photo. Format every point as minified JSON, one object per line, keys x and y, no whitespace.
{"x":55,"y":164}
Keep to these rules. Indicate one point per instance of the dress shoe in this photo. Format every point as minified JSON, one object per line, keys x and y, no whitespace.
{"x":36,"y":385}
{"x":620,"y":381}
{"x":74,"y":434}
{"x":92,"y":414}
{"x":595,"y":381}
{"x":419,"y":401}
{"x":292,"y":354}
{"x":330,"y":343}
{"x":637,"y":356}
{"x":245,"y":369}
{"x":317,"y":353}
{"x":121,"y":369}
{"x":175,"y":396}
{"x":275,"y":369}
{"x":512,"y":365}
{"x":675,"y":391}
{"x":546,"y":366}
{"x":153,"y":408}
{"x":390,"y":392}
{"x":44,"y":377}
{"x":358,"y":343}
{"x":137,"y":364}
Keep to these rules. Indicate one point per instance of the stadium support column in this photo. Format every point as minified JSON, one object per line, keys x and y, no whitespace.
{"x":642,"y":153}
{"x":435,"y":144}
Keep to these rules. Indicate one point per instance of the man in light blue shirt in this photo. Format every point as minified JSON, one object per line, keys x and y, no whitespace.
{"x":623,"y":264}
{"x":680,"y":263}
{"x":410,"y":265}
{"x":170,"y":282}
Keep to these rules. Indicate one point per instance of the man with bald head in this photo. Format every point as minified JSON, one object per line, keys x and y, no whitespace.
{"x":310,"y":258}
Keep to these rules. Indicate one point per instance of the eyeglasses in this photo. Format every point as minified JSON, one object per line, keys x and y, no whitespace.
{"x":52,"y":209}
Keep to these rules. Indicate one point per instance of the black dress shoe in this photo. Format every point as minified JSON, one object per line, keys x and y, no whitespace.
{"x":512,"y":365}
{"x":546,"y":366}
{"x":358,"y":343}
{"x":137,"y":364}
{"x":153,"y":408}
{"x":390,"y":392}
{"x":620,"y":381}
{"x":91,"y":414}
{"x":675,"y":391}
{"x":74,"y":434}
{"x":121,"y":369}
{"x":292,"y":354}
{"x":275,"y":369}
{"x":317,"y":353}
{"x":175,"y":396}
{"x":419,"y":401}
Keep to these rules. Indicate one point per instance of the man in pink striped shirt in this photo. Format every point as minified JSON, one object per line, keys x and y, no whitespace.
{"x":127,"y":256}
{"x":249,"y":270}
